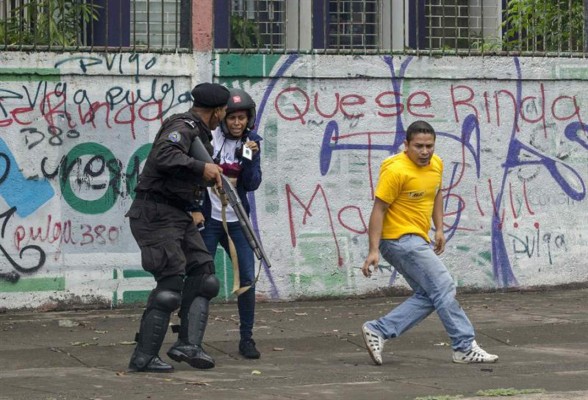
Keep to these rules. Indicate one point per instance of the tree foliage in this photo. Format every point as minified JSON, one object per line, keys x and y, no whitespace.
{"x":47,"y":23}
{"x":244,"y":33}
{"x":544,"y":25}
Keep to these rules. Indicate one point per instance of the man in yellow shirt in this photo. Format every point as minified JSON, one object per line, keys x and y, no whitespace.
{"x":408,"y":196}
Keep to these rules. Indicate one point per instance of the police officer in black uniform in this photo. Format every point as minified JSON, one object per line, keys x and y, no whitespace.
{"x":172,"y":249}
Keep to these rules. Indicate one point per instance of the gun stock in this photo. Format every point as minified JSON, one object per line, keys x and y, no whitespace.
{"x":199,"y":152}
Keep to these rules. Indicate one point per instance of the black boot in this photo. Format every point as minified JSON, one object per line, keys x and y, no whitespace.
{"x":247,"y":349}
{"x":139,"y":363}
{"x":188,"y":348}
{"x":154,"y":323}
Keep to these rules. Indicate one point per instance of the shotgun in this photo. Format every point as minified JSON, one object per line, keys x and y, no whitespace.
{"x":198,"y":151}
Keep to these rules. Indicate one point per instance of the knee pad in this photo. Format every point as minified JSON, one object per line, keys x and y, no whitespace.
{"x":205,"y":285}
{"x":210,"y":286}
{"x":167,"y":294}
{"x":165,"y":300}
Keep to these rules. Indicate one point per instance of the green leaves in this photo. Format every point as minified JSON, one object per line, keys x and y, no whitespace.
{"x":244,"y":33}
{"x":47,"y":23}
{"x":544,"y":25}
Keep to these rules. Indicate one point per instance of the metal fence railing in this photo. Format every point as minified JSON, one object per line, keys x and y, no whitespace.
{"x":445,"y":27}
{"x":95,"y":25}
{"x":462,"y":27}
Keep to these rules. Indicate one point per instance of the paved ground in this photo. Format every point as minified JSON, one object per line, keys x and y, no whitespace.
{"x":310,"y":350}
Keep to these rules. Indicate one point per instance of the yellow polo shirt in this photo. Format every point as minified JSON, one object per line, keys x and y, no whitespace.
{"x":410,"y":190}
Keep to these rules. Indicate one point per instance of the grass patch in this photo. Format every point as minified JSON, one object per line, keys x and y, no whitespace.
{"x":507,"y":392}
{"x":487,"y":393}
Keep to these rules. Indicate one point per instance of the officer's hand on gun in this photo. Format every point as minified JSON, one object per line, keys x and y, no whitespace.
{"x":198,"y":219}
{"x":212,"y":173}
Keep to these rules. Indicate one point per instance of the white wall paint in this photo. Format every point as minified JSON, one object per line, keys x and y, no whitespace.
{"x":312,"y":212}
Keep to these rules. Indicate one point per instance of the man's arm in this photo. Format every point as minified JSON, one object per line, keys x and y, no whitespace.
{"x":375,"y":234}
{"x":438,"y":223}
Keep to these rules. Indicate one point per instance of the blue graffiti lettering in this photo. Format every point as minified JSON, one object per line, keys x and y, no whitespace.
{"x":27,"y":195}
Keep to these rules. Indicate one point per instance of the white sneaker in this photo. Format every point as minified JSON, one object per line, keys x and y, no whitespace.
{"x":475,"y":355}
{"x":374,"y":343}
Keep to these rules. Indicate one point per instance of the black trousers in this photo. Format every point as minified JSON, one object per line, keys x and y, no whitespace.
{"x":170,"y":243}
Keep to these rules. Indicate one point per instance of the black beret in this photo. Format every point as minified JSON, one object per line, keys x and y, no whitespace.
{"x":210,"y":95}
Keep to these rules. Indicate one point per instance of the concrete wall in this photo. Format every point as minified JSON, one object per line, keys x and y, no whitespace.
{"x":75,"y":128}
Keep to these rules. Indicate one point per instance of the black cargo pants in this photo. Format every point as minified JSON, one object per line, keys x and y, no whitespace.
{"x":170,"y":243}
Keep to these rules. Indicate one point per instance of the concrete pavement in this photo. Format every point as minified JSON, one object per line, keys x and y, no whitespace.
{"x":310,"y":350}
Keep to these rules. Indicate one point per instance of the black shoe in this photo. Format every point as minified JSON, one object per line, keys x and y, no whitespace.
{"x":248,"y":350}
{"x":156,"y":364}
{"x":192,"y":354}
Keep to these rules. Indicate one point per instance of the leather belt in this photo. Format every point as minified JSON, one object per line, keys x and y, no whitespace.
{"x":156,"y":198}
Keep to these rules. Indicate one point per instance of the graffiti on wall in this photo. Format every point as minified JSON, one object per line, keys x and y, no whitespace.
{"x":73,"y":141}
{"x":71,"y":153}
{"x":529,"y":120}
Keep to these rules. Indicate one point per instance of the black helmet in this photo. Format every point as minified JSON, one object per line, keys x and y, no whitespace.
{"x":239,"y":100}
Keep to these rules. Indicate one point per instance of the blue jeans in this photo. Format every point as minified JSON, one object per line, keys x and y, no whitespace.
{"x":433,"y":288}
{"x":213,"y":234}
